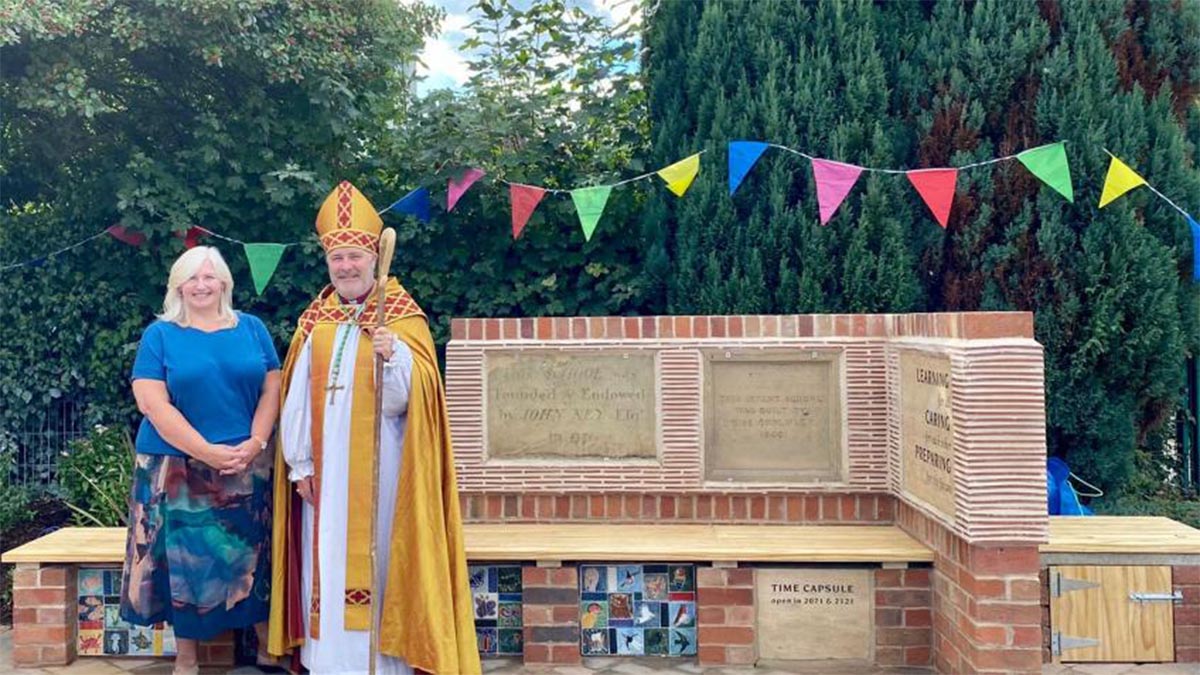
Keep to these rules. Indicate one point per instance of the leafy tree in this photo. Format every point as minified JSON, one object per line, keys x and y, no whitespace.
{"x":554,"y":100}
{"x":237,"y":117}
{"x":948,"y":83}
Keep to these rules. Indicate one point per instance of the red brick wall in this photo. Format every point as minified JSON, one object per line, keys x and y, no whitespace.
{"x":44,"y":615}
{"x":972,"y":325}
{"x":550,"y":612}
{"x":711,"y":507}
{"x":725,"y":616}
{"x":987,"y":615}
{"x":1185,"y":579}
{"x":903,"y":617}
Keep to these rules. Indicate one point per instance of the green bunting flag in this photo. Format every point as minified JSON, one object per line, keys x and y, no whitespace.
{"x":263,"y":259}
{"x":1049,"y":163}
{"x":589,"y":203}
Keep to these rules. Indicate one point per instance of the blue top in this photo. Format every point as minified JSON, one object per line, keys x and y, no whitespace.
{"x":214,"y":379}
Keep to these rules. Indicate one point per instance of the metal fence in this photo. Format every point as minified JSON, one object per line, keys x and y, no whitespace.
{"x":40,"y":442}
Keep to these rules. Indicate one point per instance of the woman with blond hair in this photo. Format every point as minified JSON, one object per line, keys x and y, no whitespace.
{"x":206,"y":378}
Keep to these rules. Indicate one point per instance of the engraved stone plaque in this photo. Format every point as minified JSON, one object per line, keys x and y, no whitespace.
{"x":814,"y":614}
{"x":570,"y":405}
{"x":927,"y":430}
{"x":773,"y":416}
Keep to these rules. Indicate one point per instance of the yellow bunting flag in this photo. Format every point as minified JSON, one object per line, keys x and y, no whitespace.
{"x":1120,"y":179}
{"x":679,"y":176}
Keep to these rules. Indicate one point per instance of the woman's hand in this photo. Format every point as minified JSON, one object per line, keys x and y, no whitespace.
{"x":227,"y":459}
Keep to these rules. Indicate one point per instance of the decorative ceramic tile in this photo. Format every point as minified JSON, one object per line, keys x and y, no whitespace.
{"x":496,"y":598}
{"x":635,"y":610}
{"x":102,"y":631}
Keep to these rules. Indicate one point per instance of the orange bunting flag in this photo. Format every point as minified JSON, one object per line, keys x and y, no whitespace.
{"x":936,"y":187}
{"x":525,"y":199}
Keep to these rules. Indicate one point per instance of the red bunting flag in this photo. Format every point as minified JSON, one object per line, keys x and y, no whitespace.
{"x":936,"y":187}
{"x":525,"y":199}
{"x":191,"y":236}
{"x":124,"y":234}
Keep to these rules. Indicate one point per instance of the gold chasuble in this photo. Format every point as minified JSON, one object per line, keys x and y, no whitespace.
{"x":427,"y":617}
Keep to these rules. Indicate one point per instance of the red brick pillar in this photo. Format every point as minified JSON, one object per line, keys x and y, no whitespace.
{"x":903,"y":618}
{"x":1185,"y":579}
{"x":44,"y":615}
{"x":550,"y":611}
{"x":725,"y":616}
{"x":987,"y":613}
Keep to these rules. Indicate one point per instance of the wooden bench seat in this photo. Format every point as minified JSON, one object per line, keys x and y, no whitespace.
{"x":885,"y":544}
{"x":1121,"y":534}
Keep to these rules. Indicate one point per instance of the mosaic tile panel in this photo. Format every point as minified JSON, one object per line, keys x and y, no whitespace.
{"x":101,"y":630}
{"x":637,"y":610}
{"x":496,"y":596}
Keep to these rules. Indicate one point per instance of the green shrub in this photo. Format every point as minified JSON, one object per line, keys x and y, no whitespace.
{"x":95,"y":476}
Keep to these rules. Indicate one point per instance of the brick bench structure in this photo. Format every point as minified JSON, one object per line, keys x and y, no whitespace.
{"x":904,"y":451}
{"x":44,"y":614}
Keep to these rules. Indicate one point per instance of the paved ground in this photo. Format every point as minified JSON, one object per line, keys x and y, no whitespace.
{"x":594,"y":666}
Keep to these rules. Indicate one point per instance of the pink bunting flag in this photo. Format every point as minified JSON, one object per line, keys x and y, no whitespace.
{"x":525,"y":199}
{"x":936,"y":187}
{"x":460,"y":185}
{"x":124,"y":234}
{"x":834,"y":181}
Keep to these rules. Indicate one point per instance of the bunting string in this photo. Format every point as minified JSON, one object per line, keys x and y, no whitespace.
{"x":834,"y":180}
{"x":873,"y":169}
{"x":40,"y":259}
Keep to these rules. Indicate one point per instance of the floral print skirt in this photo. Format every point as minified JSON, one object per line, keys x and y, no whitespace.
{"x":198,"y":551}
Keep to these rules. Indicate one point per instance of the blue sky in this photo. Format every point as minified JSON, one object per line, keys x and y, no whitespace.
{"x":444,"y":62}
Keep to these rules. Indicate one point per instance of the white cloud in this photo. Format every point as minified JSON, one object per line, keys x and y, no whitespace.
{"x":442,"y":63}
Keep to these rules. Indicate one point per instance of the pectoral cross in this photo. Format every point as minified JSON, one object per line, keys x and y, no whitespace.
{"x":333,"y":390}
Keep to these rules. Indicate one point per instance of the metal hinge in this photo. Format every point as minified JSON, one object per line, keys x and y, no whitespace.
{"x":1060,"y":584}
{"x":1176,"y":597}
{"x":1059,"y":642}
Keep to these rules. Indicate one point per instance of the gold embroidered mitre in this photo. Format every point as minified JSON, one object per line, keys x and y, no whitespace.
{"x":347,"y":220}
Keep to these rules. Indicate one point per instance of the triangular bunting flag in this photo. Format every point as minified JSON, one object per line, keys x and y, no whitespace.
{"x":124,"y":234}
{"x":589,"y":203}
{"x":742,"y":156}
{"x":525,"y":199}
{"x":1049,"y":163}
{"x":936,"y":187}
{"x":679,"y":176}
{"x":1120,"y":179}
{"x":191,"y":236}
{"x":415,"y":203}
{"x":834,"y":181}
{"x":459,"y":186}
{"x":263,"y":259}
{"x":1195,"y":248}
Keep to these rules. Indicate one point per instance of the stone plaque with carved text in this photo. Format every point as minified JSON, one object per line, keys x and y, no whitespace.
{"x":814,"y":614}
{"x":570,"y":405}
{"x":773,"y":416}
{"x":927,"y":430}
